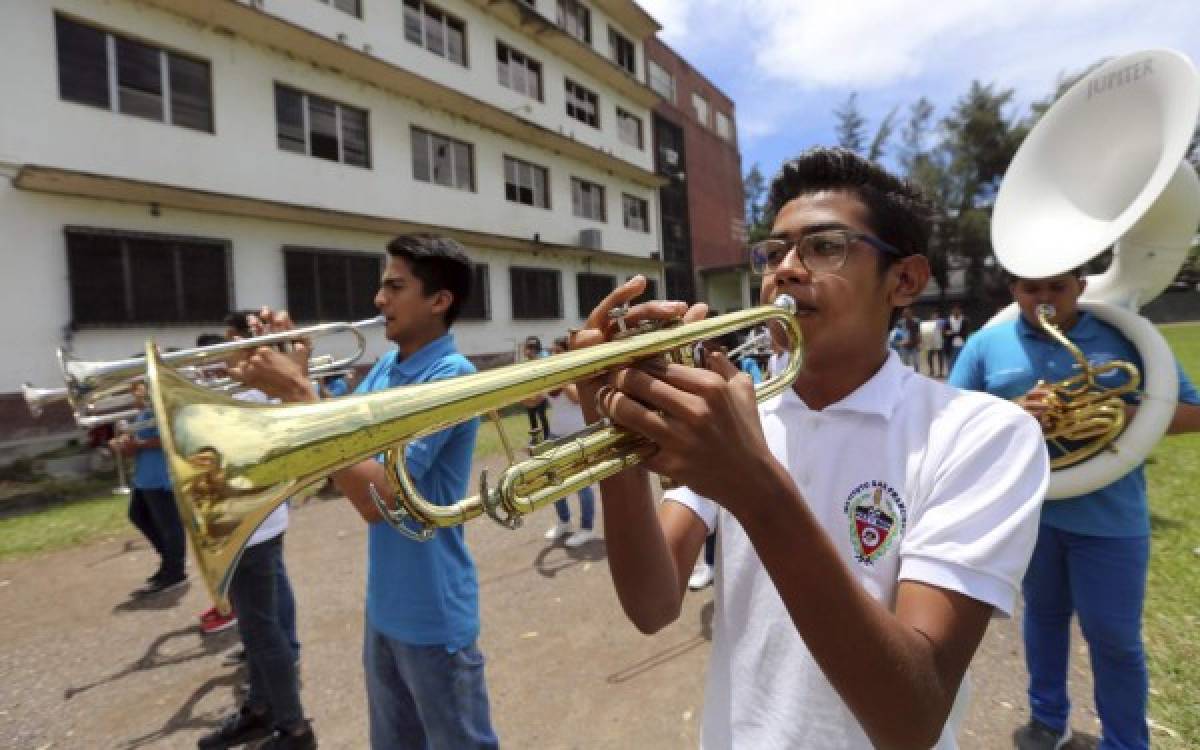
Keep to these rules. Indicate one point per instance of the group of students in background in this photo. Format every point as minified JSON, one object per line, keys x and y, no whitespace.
{"x":940,"y":338}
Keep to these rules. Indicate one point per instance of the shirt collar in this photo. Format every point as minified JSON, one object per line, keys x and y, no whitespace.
{"x":1085,"y":328}
{"x":421,"y":359}
{"x":879,"y":395}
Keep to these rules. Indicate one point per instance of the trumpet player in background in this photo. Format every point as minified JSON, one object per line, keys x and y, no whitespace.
{"x":424,"y":671}
{"x":1092,"y":551}
{"x":152,"y":504}
{"x":872,"y":520}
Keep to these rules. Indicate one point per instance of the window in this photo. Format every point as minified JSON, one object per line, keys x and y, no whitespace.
{"x":432,"y":28}
{"x":582,"y":104}
{"x":123,"y":278}
{"x":353,"y":7}
{"x":700,"y":104}
{"x":591,"y":288}
{"x":313,"y":125}
{"x":650,"y":293}
{"x":331,"y":284}
{"x":622,"y":51}
{"x":518,"y":72}
{"x":442,"y":160}
{"x":636,"y":212}
{"x":479,"y":301}
{"x":122,"y":75}
{"x":587,"y":199}
{"x":661,"y":81}
{"x":526,"y":183}
{"x":629,"y":128}
{"x":575,"y":19}
{"x":724,"y":126}
{"x":536,"y":293}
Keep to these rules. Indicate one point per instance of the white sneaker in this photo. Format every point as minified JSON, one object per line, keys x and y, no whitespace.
{"x":580,"y":538}
{"x":702,"y":576}
{"x":557,"y":531}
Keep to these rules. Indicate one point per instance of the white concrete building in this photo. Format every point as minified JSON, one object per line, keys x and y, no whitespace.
{"x":162,"y":161}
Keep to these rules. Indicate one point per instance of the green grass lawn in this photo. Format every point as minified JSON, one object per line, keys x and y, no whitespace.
{"x":1172,"y":618}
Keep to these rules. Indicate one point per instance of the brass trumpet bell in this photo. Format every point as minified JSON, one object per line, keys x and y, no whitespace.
{"x":232,"y":463}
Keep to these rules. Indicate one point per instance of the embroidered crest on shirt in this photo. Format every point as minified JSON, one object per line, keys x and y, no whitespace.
{"x":877,"y":518}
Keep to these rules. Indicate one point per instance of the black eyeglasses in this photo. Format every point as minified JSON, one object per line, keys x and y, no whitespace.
{"x":819,"y":252}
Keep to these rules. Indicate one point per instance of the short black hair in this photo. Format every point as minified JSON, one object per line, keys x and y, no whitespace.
{"x":898,"y":211}
{"x":209,"y":339}
{"x":239,"y":321}
{"x":439,"y":263}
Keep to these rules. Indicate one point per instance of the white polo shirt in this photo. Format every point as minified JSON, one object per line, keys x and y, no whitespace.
{"x":277,"y":522}
{"x":911,"y":479}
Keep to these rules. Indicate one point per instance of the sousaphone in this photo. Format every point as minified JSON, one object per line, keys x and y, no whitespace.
{"x":1105,"y":167}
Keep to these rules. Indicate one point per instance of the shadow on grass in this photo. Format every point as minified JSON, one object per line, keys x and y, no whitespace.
{"x":1163,"y":523}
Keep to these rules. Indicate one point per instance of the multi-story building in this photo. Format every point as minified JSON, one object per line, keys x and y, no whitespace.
{"x":164,"y":161}
{"x":703,"y":209}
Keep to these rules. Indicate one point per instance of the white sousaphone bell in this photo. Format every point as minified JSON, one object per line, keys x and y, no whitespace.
{"x":1106,"y":167}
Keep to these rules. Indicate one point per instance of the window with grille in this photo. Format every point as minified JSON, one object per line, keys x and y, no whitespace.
{"x":661,"y":81}
{"x":724,"y":126}
{"x":575,"y":19}
{"x":526,"y":183}
{"x":636,"y":213}
{"x":629,"y":128}
{"x":622,"y":51}
{"x":591,"y":288}
{"x":353,"y":7}
{"x":518,"y":72}
{"x":582,"y":104}
{"x":587,"y":199}
{"x":442,"y":160}
{"x":700,"y":104}
{"x":437,"y":31}
{"x":315,"y":126}
{"x":127,"y":278}
{"x":479,"y":302}
{"x":536,"y":293}
{"x":124,"y":75}
{"x":331,"y":285}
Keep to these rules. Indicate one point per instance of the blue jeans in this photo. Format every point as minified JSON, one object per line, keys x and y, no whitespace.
{"x":1103,"y":580}
{"x":587,"y":508}
{"x":425,"y":697}
{"x":153,"y":512}
{"x":287,"y":606}
{"x":254,"y":593}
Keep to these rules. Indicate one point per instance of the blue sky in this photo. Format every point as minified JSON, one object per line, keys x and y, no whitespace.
{"x":789,"y":63}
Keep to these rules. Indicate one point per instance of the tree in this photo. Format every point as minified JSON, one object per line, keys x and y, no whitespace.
{"x":755,"y":188}
{"x":850,"y":124}
{"x":883,"y":135}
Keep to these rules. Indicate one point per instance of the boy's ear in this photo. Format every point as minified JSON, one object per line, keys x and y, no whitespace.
{"x":442,"y":300}
{"x":911,"y":274}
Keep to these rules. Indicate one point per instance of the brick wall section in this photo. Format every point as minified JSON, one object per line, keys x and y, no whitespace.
{"x":714,"y":165}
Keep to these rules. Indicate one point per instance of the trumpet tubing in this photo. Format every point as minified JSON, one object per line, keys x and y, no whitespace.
{"x":232,"y":463}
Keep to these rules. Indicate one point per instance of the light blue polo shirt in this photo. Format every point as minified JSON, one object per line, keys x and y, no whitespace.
{"x":426,"y":593}
{"x":150,"y":464}
{"x":1008,"y":359}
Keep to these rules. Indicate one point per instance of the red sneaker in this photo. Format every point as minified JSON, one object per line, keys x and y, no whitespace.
{"x":213,"y":621}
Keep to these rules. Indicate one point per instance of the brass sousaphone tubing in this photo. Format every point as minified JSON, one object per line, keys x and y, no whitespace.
{"x":232,"y":462}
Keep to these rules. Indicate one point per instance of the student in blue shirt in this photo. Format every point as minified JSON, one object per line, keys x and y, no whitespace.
{"x":1092,"y":551}
{"x":424,"y":671}
{"x":152,"y":505}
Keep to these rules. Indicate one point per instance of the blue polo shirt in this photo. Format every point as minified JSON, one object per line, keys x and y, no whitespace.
{"x":150,"y":464}
{"x":426,"y":593}
{"x":751,"y":368}
{"x":1008,"y":359}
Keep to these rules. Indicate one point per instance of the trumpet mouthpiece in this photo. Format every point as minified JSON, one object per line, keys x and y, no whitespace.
{"x":786,"y":303}
{"x":1046,"y":311}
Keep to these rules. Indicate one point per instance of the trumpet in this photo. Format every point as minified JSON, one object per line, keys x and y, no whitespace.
{"x":233,"y":463}
{"x":88,"y":382}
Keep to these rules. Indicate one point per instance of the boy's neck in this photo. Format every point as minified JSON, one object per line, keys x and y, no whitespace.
{"x":421,"y":339}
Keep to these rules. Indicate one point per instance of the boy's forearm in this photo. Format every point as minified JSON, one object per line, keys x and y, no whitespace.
{"x":639,"y":558}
